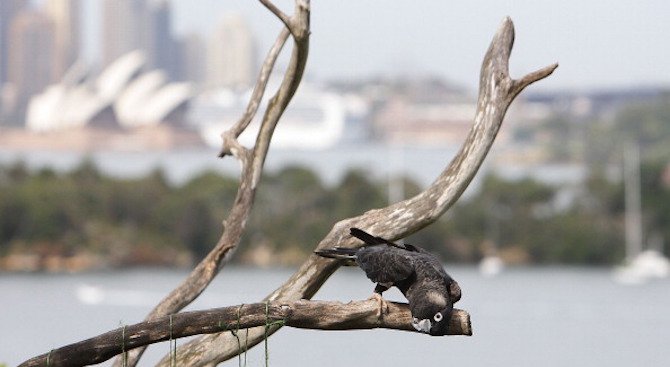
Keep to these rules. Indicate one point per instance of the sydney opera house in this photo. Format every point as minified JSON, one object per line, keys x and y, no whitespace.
{"x":125,"y":106}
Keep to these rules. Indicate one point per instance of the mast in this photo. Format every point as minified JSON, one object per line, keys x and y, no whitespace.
{"x":633,"y":205}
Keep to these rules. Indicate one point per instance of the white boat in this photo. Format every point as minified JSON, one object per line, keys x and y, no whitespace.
{"x":647,"y":265}
{"x":640,"y":265}
{"x":491,"y":266}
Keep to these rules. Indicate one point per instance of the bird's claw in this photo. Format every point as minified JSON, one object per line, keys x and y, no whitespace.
{"x":383,"y":305}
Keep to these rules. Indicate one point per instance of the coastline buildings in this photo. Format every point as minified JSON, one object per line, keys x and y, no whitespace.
{"x":8,"y":11}
{"x":40,"y":42}
{"x":126,"y":107}
{"x":231,"y":55}
{"x":124,"y":96}
{"x":162,"y":49}
{"x":65,"y":17}
{"x":141,"y":25}
{"x":38,"y":45}
{"x":316,"y":119}
{"x":122,"y":29}
{"x":43,"y":61}
{"x":29,"y":60}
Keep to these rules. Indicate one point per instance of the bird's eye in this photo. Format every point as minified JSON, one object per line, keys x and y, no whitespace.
{"x":438,"y":317}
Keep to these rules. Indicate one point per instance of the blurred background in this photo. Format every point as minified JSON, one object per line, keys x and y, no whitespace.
{"x":110,"y":120}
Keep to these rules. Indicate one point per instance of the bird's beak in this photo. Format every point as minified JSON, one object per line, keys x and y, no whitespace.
{"x":422,"y":326}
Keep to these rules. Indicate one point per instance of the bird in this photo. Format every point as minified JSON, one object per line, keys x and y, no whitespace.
{"x":417,"y":273}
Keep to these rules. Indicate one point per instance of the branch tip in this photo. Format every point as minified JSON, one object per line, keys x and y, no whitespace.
{"x":532,"y":77}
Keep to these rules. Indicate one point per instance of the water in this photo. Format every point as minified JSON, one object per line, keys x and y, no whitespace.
{"x":423,"y":164}
{"x":524,"y":317}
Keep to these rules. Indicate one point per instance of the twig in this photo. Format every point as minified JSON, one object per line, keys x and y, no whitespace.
{"x":230,"y":137}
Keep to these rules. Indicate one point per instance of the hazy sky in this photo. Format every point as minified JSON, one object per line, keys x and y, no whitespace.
{"x":598,"y":44}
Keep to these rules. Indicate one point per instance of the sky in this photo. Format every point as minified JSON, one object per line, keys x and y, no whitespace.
{"x":598,"y":44}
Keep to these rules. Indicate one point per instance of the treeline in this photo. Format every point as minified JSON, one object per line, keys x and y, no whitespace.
{"x":147,"y":221}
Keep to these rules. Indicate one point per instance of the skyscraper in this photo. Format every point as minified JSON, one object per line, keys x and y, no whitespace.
{"x":8,"y":10}
{"x":65,"y":17}
{"x":193,"y":58}
{"x":162,"y":49}
{"x":29,"y":65}
{"x":231,"y":55}
{"x":123,"y":30}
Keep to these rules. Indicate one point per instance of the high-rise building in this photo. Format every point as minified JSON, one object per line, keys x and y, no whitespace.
{"x":29,"y":65}
{"x":231,"y":55}
{"x":8,"y":10}
{"x":193,"y":58}
{"x":162,"y":49}
{"x":65,"y":17}
{"x":123,"y":28}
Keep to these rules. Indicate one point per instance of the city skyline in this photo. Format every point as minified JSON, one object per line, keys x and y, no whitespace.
{"x":598,"y":45}
{"x":41,"y":49}
{"x":621,"y":45}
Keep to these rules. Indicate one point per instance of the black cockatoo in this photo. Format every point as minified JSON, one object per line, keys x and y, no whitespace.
{"x":417,"y":273}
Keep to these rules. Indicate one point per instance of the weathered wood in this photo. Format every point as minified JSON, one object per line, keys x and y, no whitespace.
{"x":497,"y":90}
{"x":300,"y":314}
{"x":252,"y":161}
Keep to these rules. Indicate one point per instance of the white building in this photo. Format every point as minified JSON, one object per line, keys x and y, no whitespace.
{"x":315,"y":119}
{"x":231,"y":54}
{"x":123,"y":28}
{"x":64,"y":15}
{"x":123,"y":96}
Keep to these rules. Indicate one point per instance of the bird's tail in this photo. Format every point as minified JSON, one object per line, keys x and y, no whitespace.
{"x":371,"y":240}
{"x":340,"y":253}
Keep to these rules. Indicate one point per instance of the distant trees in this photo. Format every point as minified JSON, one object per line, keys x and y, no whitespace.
{"x":146,"y":221}
{"x":83,"y":210}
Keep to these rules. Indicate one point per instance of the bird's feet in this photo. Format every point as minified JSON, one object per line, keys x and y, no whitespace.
{"x":383,"y":305}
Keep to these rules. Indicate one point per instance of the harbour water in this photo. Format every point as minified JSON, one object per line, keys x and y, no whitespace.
{"x":378,"y":161}
{"x":522,"y":317}
{"x":423,"y":164}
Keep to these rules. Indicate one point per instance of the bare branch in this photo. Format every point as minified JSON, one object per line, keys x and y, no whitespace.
{"x":302,"y":314}
{"x":530,"y":78}
{"x":280,"y":14}
{"x":252,"y":162}
{"x":229,"y":137}
{"x":496,"y":92}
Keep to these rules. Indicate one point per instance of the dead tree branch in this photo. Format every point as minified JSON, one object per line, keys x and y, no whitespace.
{"x":497,"y":90}
{"x":299,"y":314}
{"x":252,"y":163}
{"x":229,"y":137}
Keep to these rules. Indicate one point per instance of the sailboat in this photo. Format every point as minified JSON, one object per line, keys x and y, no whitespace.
{"x":491,"y":264}
{"x":640,"y":265}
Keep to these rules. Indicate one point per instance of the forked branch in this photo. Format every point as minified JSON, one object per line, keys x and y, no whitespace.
{"x":497,"y":90}
{"x":252,"y":164}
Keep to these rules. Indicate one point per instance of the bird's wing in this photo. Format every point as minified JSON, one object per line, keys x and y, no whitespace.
{"x":384,"y":264}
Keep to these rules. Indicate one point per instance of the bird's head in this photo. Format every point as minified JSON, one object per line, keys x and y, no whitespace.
{"x":432,"y":316}
{"x":436,"y":325}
